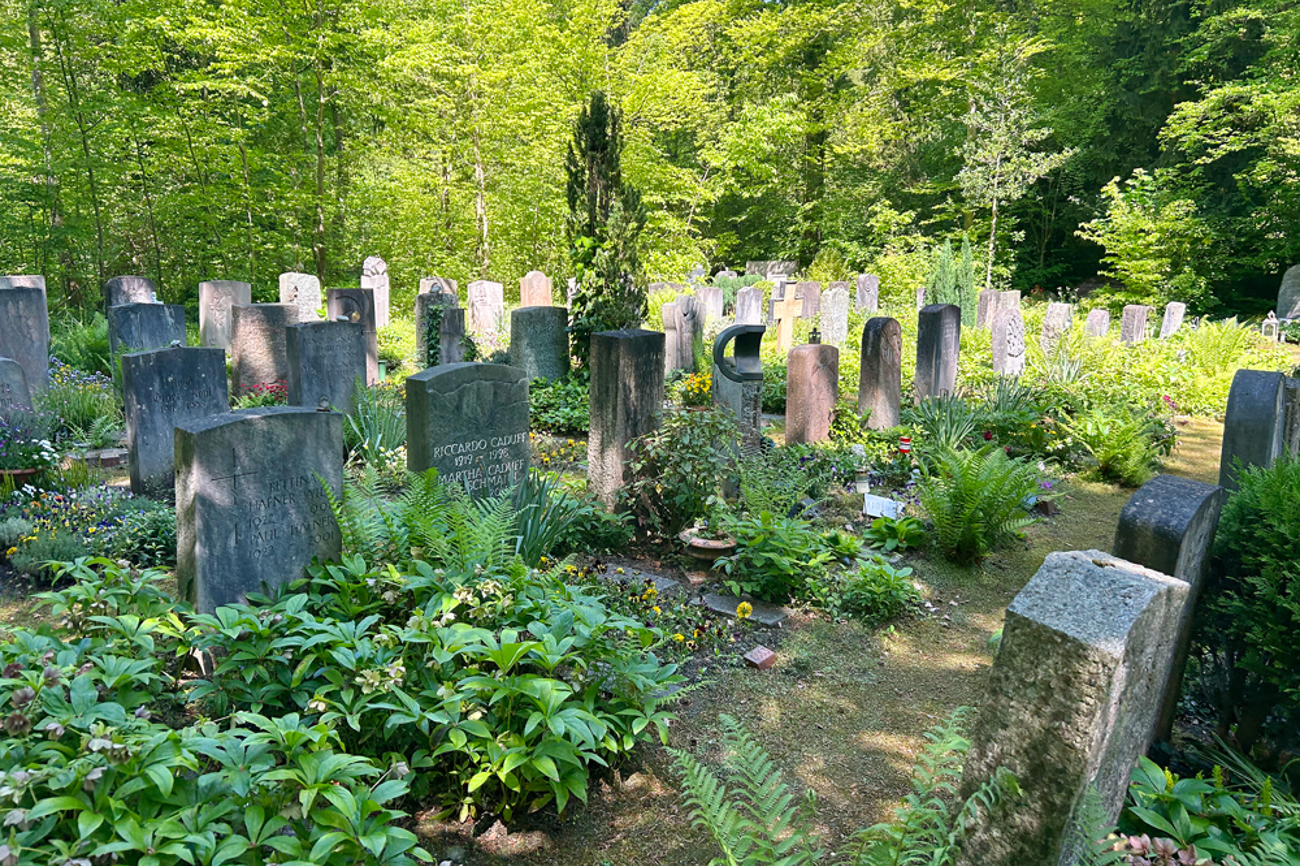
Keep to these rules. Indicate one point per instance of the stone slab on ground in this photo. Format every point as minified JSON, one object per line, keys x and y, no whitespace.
{"x":665,"y":586}
{"x":726,"y":604}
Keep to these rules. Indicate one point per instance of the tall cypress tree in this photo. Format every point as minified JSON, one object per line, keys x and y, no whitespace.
{"x":605,"y":222}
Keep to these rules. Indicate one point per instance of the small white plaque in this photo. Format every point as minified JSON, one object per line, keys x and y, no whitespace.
{"x":880,"y":506}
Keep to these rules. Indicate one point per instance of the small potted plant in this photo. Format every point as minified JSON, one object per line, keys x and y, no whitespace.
{"x":707,"y":541}
{"x":23,"y":452}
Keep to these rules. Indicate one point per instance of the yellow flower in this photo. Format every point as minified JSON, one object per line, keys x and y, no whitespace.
{"x":743,"y":610}
{"x":11,"y":551}
{"x":656,"y":609}
{"x":679,"y":637}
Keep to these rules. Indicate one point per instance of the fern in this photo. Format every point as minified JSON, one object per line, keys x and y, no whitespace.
{"x":974,"y":500}
{"x":1092,"y":840}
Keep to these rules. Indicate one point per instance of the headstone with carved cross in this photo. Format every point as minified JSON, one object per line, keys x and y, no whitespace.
{"x":786,"y":310}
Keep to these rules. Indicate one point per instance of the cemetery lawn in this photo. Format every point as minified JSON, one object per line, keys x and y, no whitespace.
{"x":843,"y":712}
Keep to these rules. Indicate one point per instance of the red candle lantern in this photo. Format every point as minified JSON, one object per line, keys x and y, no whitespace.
{"x":904,"y":444}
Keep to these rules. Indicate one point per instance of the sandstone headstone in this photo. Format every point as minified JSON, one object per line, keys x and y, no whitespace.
{"x":251,"y":508}
{"x":440,"y":284}
{"x":710,"y":301}
{"x":258,"y":354}
{"x":539,"y":341}
{"x":811,"y":292}
{"x":1097,"y":323}
{"x":303,"y":292}
{"x":812,"y":387}
{"x":374,"y":276}
{"x":683,"y":329}
{"x":1168,"y":526}
{"x":535,"y":290}
{"x":868,"y":294}
{"x":738,"y":381}
{"x":749,"y":306}
{"x":133,"y":327}
{"x":1133,"y":325}
{"x":769,"y":270}
{"x":486,"y":306}
{"x":358,"y":305}
{"x":129,"y":290}
{"x":1175,"y":311}
{"x":627,"y":393}
{"x":835,"y":314}
{"x":325,"y":360}
{"x":216,"y":297}
{"x":1055,"y":324}
{"x":784,"y":312}
{"x":1254,"y":425}
{"x":1288,"y":295}
{"x":938,"y":344}
{"x":1008,"y":341}
{"x":470,"y":422}
{"x":988,"y":304}
{"x":25,"y":327}
{"x":439,"y":330}
{"x":1071,"y":701}
{"x":880,"y":380}
{"x":161,"y":389}
{"x":14,"y":394}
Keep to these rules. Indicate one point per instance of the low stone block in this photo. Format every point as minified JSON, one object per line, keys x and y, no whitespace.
{"x":761,"y":658}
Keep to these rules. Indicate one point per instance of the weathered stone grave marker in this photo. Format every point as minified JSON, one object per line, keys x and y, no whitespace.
{"x":811,"y":293}
{"x":539,"y":341}
{"x":358,"y":305}
{"x":1071,"y":701}
{"x":938,"y":344}
{"x":749,"y":306}
{"x":258,"y":354}
{"x":134,"y":327}
{"x":440,"y":284}
{"x":812,"y":387}
{"x":470,"y":422}
{"x":868,"y":293}
{"x":25,"y":327}
{"x":1288,"y":294}
{"x":161,"y":389}
{"x":14,"y":394}
{"x":439,"y":330}
{"x":709,"y":301}
{"x":1254,"y":425}
{"x":1056,"y":323}
{"x":535,"y":290}
{"x":251,"y":508}
{"x":1008,"y":341}
{"x":1133,"y":325}
{"x":986,"y":306}
{"x":880,"y":380}
{"x":1097,"y":323}
{"x":627,"y":393}
{"x":374,"y":276}
{"x":303,"y":292}
{"x":216,"y":297}
{"x":486,"y":306}
{"x":325,"y":360}
{"x":1175,"y":311}
{"x":683,"y":329}
{"x":835,"y":314}
{"x":129,"y":290}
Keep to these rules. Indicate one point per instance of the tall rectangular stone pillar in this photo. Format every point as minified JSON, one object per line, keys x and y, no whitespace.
{"x":627,"y":393}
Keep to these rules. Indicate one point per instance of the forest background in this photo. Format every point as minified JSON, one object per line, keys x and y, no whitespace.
{"x":202,"y":139}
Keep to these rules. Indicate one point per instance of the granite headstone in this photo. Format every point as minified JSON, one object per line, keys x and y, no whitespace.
{"x":134,"y":327}
{"x":325,"y":360}
{"x":1175,"y":311}
{"x":25,"y":327}
{"x":258,"y":355}
{"x":811,"y":293}
{"x":1097,"y":324}
{"x":129,"y":290}
{"x":374,"y":276}
{"x":216,"y":297}
{"x":938,"y":345}
{"x":1008,"y":341}
{"x":446,"y":345}
{"x":1133,"y":324}
{"x":627,"y":393}
{"x":539,"y":341}
{"x":710,"y":301}
{"x":14,"y":394}
{"x":1254,"y":425}
{"x":357,"y":305}
{"x":486,"y":306}
{"x":880,"y":380}
{"x":835,"y":314}
{"x":1056,"y":323}
{"x":303,"y":292}
{"x":868,"y":293}
{"x":749,"y":306}
{"x":535,"y":290}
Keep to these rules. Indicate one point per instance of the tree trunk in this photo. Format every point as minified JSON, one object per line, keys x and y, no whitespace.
{"x":71,"y":288}
{"x":74,"y":103}
{"x":318,"y":230}
{"x":148,"y":203}
{"x":993,"y":224}
{"x":480,"y":208}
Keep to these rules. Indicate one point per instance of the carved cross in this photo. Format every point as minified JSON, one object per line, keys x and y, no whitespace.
{"x":786,"y":310}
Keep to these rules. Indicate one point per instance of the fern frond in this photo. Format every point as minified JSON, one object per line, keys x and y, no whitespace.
{"x":711,"y":809}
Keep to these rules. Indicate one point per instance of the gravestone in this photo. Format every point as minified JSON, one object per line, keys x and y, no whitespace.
{"x":770,"y":270}
{"x":486,"y":306}
{"x":727,"y":274}
{"x":1288,"y":295}
{"x":251,"y":507}
{"x":988,"y":304}
{"x":938,"y":344}
{"x":374,"y":276}
{"x":880,"y":380}
{"x":749,"y":306}
{"x":25,"y":327}
{"x":539,"y":342}
{"x":697,"y":273}
{"x":738,"y":381}
{"x":14,"y":394}
{"x":133,"y":327}
{"x":1291,"y":431}
{"x":470,"y":422}
{"x":258,"y":354}
{"x":1133,"y":325}
{"x":835,"y":314}
{"x":1175,"y":311}
{"x":357,"y":305}
{"x":216,"y":297}
{"x":303,"y":292}
{"x":812,"y":387}
{"x":811,"y":292}
{"x":920,"y":298}
{"x":440,"y":284}
{"x":1071,"y":701}
{"x":1008,"y":341}
{"x":1254,"y":425}
{"x":1168,"y":526}
{"x":439,"y":330}
{"x":683,"y":329}
{"x":161,"y":389}
{"x":325,"y":359}
{"x":535,"y":290}
{"x":1097,"y":323}
{"x":129,"y":290}
{"x":784,"y":312}
{"x":627,"y":393}
{"x":710,"y":302}
{"x":868,"y":293}
{"x":1056,"y":323}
